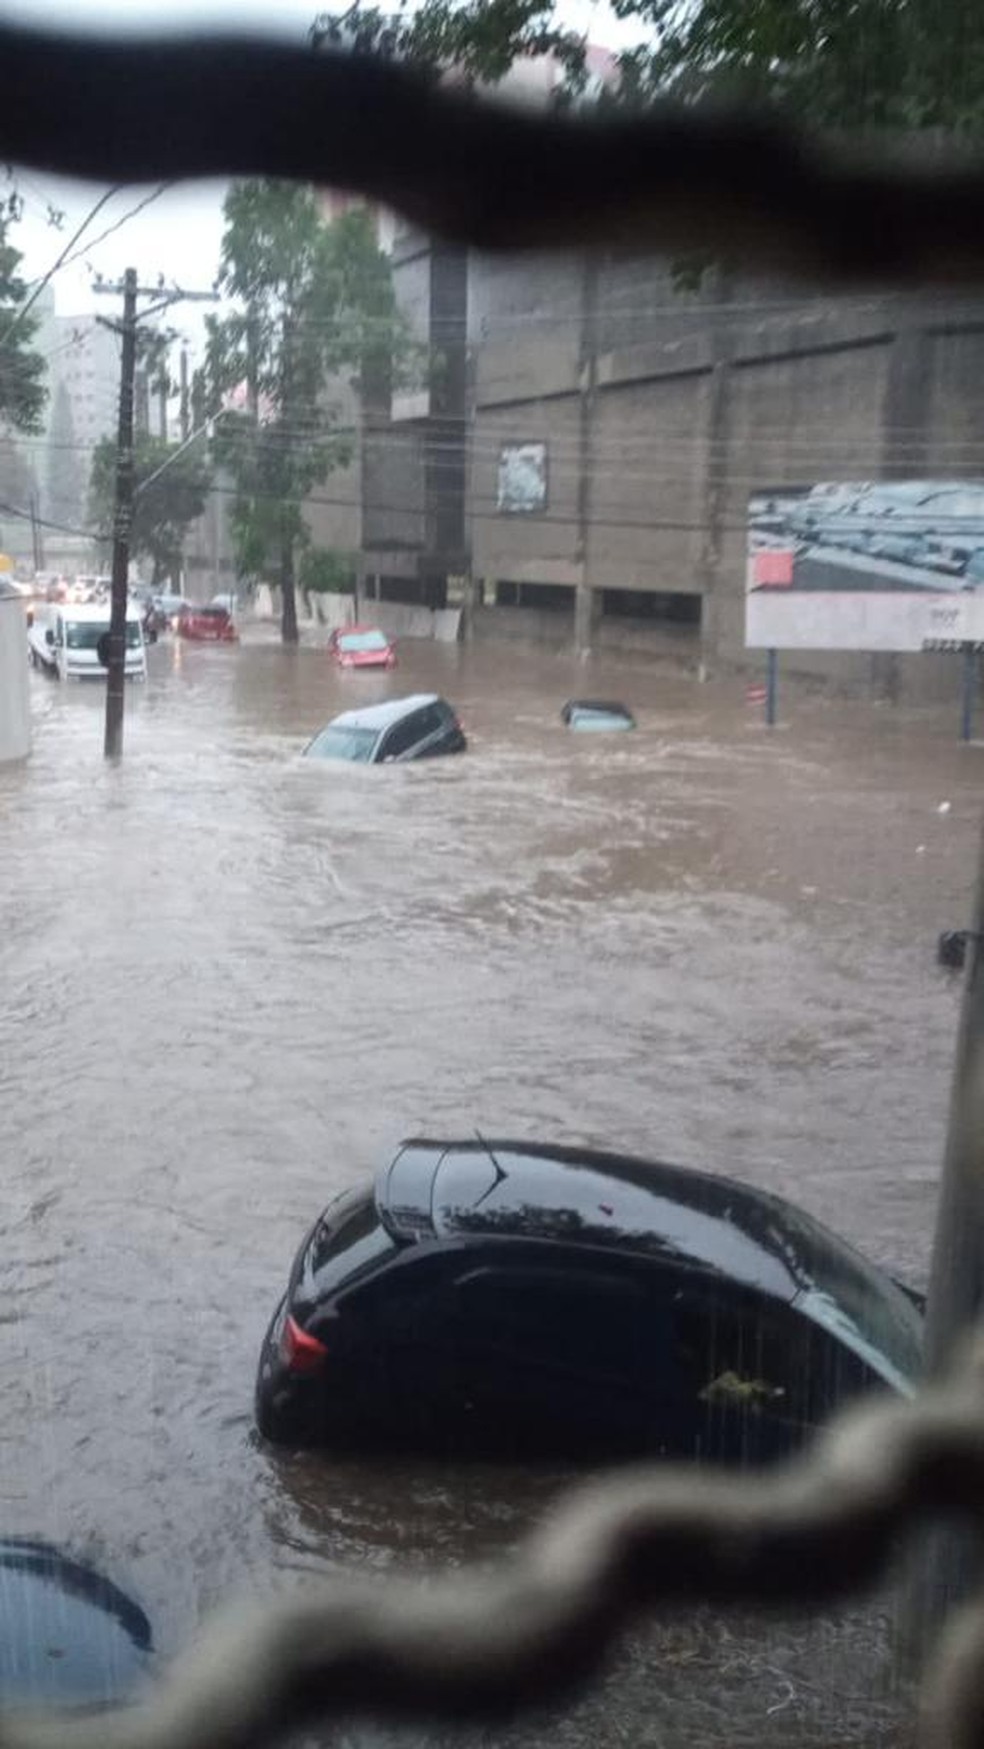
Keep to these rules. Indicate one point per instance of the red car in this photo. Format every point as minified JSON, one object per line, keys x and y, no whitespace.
{"x":361,"y":647}
{"x":207,"y":624}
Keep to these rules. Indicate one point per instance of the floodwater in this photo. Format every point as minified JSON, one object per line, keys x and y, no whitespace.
{"x":230,"y":982}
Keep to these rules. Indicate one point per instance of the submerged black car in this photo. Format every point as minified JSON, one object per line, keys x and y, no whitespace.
{"x":508,"y":1300}
{"x":419,"y":727}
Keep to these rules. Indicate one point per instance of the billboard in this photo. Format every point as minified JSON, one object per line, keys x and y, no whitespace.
{"x":862,"y":565}
{"x":522,"y":479}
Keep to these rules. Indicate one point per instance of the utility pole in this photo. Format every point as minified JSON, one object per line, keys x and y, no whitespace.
{"x":115,"y":650}
{"x":185,"y":403}
{"x":37,"y":537}
{"x":122,"y":518}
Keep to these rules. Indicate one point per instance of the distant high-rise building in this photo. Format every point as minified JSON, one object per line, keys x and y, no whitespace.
{"x":86,"y":359}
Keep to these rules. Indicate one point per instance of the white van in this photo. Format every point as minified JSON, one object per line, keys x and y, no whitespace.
{"x":66,"y":640}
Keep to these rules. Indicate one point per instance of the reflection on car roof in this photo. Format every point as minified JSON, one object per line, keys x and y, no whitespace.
{"x":379,"y":716}
{"x":583,"y":1197}
{"x":608,"y":707}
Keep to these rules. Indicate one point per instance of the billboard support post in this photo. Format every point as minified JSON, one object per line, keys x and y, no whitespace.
{"x":771,"y":686}
{"x":968,"y":692}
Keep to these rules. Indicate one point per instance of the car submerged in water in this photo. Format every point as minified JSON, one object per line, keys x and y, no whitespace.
{"x":69,"y":1637}
{"x":419,"y":727}
{"x":597,"y":714}
{"x":361,"y":647}
{"x":506,"y":1300}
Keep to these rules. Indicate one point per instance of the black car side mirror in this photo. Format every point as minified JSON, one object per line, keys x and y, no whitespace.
{"x":49,"y":636}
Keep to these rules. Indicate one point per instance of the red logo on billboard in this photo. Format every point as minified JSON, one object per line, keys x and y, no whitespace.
{"x":773,"y":568}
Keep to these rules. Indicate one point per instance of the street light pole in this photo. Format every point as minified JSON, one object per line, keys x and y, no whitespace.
{"x":122,"y":521}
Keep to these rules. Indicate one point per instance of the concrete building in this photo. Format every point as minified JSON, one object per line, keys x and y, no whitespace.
{"x":588,"y":472}
{"x":87,"y":361}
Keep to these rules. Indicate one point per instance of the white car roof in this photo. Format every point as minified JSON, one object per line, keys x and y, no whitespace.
{"x":380,"y":716}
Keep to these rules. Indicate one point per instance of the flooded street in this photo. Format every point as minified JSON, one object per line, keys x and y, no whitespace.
{"x":231,"y":982}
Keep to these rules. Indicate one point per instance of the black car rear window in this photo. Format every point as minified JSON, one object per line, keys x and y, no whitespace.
{"x":346,"y":1245}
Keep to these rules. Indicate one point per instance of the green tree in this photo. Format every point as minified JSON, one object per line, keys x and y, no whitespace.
{"x":64,"y":502}
{"x":481,"y":38}
{"x":314,"y":305}
{"x":856,"y":64}
{"x":22,"y":371}
{"x":167,"y":499}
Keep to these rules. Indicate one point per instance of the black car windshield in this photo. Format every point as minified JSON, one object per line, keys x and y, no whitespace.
{"x":337,"y":742}
{"x":854,"y":1301}
{"x":357,"y":641}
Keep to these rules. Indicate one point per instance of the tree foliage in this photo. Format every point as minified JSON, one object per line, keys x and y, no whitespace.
{"x":480,"y":39}
{"x":22,"y":370}
{"x":855,"y":64}
{"x":314,"y":307}
{"x":163,"y":507}
{"x":325,"y":571}
{"x":844,"y":64}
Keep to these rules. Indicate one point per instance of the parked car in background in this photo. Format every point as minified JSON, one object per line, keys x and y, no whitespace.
{"x":419,"y":727}
{"x":69,"y":1637}
{"x":170,"y":607}
{"x":152,"y":618}
{"x":206,"y":624}
{"x":596,"y":713}
{"x":509,"y":1299}
{"x":361,"y":647}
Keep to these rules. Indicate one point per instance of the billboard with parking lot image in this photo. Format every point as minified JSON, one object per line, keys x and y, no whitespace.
{"x":863,"y":565}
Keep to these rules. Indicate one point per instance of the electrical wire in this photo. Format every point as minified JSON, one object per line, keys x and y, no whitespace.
{"x":59,"y":262}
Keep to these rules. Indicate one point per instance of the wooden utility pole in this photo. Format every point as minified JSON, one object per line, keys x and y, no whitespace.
{"x":115,"y":649}
{"x":185,"y":403}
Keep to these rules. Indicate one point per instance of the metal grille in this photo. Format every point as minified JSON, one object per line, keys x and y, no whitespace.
{"x":477,"y":1646}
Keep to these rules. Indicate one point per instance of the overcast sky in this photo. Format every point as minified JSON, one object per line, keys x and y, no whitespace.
{"x":179,"y":233}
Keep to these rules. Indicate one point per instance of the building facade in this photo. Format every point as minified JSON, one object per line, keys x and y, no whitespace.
{"x":580,"y":462}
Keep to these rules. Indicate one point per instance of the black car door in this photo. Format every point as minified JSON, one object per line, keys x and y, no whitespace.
{"x":753,"y":1377}
{"x":399,"y":740}
{"x":546,"y":1357}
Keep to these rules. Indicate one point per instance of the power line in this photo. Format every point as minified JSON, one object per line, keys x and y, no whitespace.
{"x":112,"y":229}
{"x":59,"y":262}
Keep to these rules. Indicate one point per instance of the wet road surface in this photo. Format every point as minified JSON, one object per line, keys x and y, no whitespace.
{"x":230,"y":982}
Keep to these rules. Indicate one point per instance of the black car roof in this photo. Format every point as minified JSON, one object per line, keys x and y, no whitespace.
{"x":585,"y":1196}
{"x":582,"y":1196}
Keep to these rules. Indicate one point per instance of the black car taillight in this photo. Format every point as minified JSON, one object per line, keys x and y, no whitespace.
{"x":299,"y":1351}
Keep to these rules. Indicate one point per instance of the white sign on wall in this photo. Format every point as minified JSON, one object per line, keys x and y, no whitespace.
{"x":856,"y":565}
{"x":522,"y":478}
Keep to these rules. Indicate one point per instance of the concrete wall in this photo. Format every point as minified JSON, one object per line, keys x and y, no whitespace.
{"x":333,"y":508}
{"x":15,"y":704}
{"x":396,"y":618}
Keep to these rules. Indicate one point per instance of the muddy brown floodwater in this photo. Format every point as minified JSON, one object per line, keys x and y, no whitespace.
{"x":230,"y":982}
